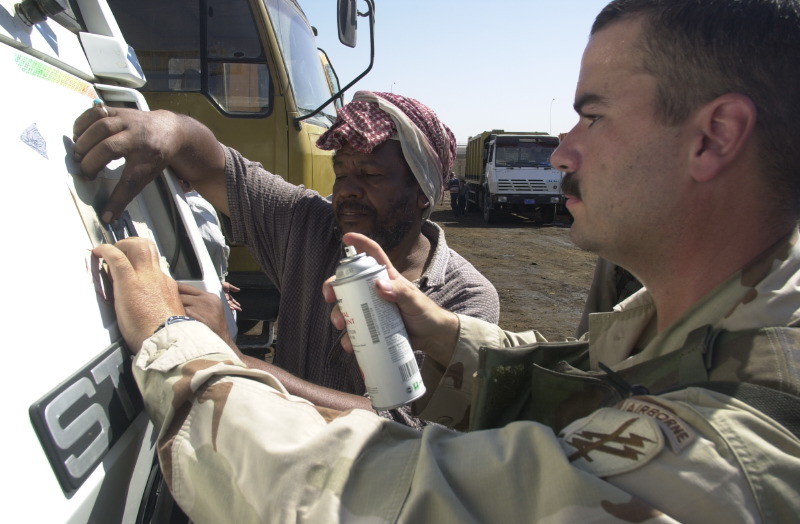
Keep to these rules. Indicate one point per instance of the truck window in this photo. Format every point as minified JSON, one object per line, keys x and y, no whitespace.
{"x":524,"y":152}
{"x":208,"y":46}
{"x":301,"y":57}
{"x":332,"y":78}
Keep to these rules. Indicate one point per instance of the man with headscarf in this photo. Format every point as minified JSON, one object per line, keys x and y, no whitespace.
{"x":392,"y":157}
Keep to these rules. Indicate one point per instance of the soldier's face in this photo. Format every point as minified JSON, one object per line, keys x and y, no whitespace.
{"x":624,"y":177}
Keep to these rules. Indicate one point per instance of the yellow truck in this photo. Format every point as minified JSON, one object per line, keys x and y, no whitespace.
{"x":510,"y":172}
{"x":251,"y":71}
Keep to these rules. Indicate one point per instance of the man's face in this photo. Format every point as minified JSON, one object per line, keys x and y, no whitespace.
{"x":376,"y":194}
{"x":624,"y":168}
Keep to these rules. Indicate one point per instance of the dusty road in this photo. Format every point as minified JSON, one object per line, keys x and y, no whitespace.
{"x":541,"y":277}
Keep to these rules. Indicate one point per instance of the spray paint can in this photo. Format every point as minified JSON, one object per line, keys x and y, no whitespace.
{"x":376,"y":329}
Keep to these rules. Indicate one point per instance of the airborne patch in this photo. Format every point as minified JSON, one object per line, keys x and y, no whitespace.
{"x":679,"y":434}
{"x":611,"y":442}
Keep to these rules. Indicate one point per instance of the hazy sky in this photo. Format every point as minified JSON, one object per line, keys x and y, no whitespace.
{"x":480,"y":64}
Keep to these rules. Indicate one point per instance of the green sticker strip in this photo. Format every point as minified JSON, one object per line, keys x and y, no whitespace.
{"x":49,"y":73}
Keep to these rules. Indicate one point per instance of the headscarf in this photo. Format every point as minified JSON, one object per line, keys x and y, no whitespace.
{"x":371,"y":118}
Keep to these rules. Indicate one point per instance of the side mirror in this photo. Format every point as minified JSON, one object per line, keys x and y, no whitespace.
{"x":347,"y":20}
{"x":347,"y":35}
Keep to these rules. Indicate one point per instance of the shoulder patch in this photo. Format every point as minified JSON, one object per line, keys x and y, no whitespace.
{"x":678,"y":433}
{"x":611,"y":442}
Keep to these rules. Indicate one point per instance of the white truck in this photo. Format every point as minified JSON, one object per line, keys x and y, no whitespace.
{"x":509,"y":172}
{"x":79,"y":446}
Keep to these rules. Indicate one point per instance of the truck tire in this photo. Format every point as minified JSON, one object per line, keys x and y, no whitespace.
{"x":490,"y":215}
{"x":548,"y":214}
{"x":471,"y":203}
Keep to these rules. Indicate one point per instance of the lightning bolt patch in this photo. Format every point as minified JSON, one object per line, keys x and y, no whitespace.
{"x":610,"y":442}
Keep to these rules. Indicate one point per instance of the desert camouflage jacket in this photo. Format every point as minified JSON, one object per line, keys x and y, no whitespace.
{"x":235,"y":447}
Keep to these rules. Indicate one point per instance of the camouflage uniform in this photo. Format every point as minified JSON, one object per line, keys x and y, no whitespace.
{"x":236,"y":448}
{"x":611,"y":284}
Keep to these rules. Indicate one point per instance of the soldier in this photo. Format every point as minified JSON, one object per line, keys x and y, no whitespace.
{"x":682,"y":169}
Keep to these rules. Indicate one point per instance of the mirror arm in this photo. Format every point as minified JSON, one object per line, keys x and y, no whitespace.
{"x":371,"y":15}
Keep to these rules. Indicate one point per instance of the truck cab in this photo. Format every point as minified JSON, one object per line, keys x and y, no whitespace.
{"x":250,"y":70}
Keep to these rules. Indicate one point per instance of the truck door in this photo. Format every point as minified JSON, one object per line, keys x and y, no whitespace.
{"x":245,"y":69}
{"x":491,"y":183}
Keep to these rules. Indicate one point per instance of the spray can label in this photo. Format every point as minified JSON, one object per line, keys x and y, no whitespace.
{"x":376,"y":329}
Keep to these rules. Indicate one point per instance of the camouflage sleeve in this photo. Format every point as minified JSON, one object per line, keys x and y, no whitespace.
{"x":449,"y":390}
{"x":235,"y":447}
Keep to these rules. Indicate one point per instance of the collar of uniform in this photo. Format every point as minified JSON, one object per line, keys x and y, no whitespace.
{"x":765,"y":293}
{"x":614,"y":335}
{"x":768,"y":288}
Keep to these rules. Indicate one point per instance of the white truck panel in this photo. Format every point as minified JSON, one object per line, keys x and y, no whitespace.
{"x":48,"y":41}
{"x":60,"y":344}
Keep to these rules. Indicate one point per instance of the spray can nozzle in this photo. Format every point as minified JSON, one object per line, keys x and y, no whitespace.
{"x":349,"y":251}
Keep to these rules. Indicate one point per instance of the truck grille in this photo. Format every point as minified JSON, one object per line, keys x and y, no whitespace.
{"x":505,"y":185}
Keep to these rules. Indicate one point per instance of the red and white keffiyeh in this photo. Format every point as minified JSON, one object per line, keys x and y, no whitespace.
{"x":371,"y":118}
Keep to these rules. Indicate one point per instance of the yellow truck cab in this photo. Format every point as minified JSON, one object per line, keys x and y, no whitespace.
{"x":250,"y":70}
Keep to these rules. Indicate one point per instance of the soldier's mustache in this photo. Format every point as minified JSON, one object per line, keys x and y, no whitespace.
{"x":570,"y":186}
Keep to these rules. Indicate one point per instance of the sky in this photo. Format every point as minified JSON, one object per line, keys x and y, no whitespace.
{"x":479,"y":64}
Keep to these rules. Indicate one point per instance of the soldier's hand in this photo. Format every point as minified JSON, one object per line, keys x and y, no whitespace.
{"x":144,"y":297}
{"x":431,"y":329}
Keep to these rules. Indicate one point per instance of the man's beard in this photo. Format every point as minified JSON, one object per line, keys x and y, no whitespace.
{"x":387,"y":232}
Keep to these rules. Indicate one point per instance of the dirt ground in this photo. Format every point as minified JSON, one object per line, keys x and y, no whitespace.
{"x":541,"y":277}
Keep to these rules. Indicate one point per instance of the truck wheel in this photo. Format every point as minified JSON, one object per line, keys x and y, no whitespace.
{"x":471,"y":205}
{"x":548,"y":214}
{"x":489,"y":214}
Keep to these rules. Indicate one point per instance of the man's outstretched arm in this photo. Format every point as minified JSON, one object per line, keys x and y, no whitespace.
{"x":207,"y":308}
{"x":149,"y":141}
{"x":234,"y":446}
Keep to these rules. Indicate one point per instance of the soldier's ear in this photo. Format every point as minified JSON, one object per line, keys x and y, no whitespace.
{"x":723,"y":128}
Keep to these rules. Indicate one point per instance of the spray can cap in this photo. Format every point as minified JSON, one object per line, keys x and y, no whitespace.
{"x":349,"y":251}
